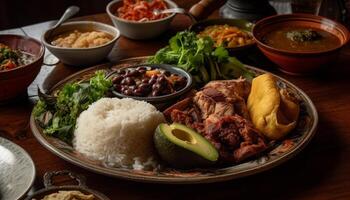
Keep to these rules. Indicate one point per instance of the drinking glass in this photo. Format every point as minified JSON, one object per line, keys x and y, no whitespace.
{"x":306,"y":6}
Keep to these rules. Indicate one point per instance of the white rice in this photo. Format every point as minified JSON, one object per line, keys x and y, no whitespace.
{"x":118,"y":132}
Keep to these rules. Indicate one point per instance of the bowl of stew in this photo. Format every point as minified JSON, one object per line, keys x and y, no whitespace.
{"x":300,"y":43}
{"x":136,"y":20}
{"x":81,"y":43}
{"x":21,"y":58}
{"x":158,"y":84}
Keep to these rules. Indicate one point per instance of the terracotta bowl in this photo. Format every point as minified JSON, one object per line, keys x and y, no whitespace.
{"x":299,"y":63}
{"x":15,"y":81}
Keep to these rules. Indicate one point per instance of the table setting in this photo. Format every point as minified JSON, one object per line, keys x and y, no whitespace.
{"x":164,"y":99}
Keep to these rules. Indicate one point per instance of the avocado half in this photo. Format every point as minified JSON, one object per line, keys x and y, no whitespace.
{"x":182,"y":147}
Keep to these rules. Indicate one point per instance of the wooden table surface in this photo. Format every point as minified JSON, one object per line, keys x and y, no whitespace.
{"x":321,"y":171}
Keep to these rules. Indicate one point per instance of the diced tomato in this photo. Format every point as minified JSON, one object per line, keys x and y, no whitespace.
{"x":140,"y":9}
{"x":152,"y":72}
{"x":9,"y":65}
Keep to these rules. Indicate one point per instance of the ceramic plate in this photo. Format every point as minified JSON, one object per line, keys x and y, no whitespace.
{"x":280,"y":152}
{"x":17,"y":171}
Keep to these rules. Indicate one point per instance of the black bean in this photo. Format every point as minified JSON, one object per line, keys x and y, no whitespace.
{"x":161,"y":79}
{"x":132,"y":87}
{"x":164,"y":84}
{"x":122,"y":90}
{"x":155,"y":93}
{"x":124,"y":81}
{"x":137,"y":82}
{"x":132,"y":73}
{"x":156,"y":86}
{"x":144,"y":86}
{"x":127,"y":81}
{"x":127,"y":92}
{"x":117,"y":79}
{"x":152,"y":81}
{"x":145,"y":80}
{"x":145,"y":91}
{"x":137,"y":92}
{"x":154,"y":76}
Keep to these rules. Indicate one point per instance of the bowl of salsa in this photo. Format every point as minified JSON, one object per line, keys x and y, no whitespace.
{"x":136,"y":19}
{"x":300,"y":43}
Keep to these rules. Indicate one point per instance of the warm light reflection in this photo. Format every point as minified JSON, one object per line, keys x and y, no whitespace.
{"x":6,"y":156}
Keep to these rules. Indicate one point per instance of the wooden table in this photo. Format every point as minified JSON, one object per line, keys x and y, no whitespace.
{"x":321,"y":171}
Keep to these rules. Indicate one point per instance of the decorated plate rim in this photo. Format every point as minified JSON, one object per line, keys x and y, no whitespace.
{"x":120,"y":173}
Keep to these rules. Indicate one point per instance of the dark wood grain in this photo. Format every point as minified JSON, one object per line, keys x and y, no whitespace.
{"x":321,"y":171}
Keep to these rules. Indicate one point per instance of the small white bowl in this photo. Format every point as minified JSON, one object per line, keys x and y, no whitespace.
{"x":139,"y":30}
{"x":81,"y":56}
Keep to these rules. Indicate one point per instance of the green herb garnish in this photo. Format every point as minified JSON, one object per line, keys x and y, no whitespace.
{"x":59,"y":120}
{"x":303,"y":35}
{"x":199,"y":57}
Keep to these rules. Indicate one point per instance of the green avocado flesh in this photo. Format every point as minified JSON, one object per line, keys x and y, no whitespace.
{"x":183,"y":147}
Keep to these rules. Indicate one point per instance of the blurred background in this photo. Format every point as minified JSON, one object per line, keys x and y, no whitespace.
{"x":17,"y":13}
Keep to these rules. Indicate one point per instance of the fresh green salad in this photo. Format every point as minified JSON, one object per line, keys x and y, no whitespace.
{"x":199,"y":57}
{"x":58,"y":118}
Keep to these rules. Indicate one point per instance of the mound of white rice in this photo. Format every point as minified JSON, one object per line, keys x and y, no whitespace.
{"x":118,"y":131}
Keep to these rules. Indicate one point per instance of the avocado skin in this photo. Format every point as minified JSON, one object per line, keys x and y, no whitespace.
{"x":177,"y":156}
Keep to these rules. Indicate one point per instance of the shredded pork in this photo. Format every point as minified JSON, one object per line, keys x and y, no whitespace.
{"x":220,"y":114}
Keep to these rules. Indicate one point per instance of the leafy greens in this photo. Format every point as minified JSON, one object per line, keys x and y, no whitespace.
{"x":59,"y":119}
{"x":198,"y":56}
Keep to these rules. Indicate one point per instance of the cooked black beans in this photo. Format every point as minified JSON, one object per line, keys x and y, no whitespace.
{"x":147,"y":81}
{"x":128,"y":81}
{"x":117,"y":79}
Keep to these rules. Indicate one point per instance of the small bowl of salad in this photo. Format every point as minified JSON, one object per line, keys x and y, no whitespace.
{"x":21,"y":58}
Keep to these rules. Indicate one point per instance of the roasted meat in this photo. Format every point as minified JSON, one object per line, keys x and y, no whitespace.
{"x":231,"y":88}
{"x":212,"y":102}
{"x":234,"y":137}
{"x":220,"y":114}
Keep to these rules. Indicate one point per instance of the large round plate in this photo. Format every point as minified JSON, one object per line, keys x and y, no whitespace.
{"x":17,"y":171}
{"x":280,"y":152}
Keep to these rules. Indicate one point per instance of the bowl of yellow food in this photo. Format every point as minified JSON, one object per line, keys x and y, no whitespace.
{"x":78,"y":192}
{"x":233,"y":34}
{"x":81,"y":43}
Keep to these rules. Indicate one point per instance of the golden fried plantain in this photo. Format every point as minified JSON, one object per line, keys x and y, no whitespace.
{"x":273,"y":111}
